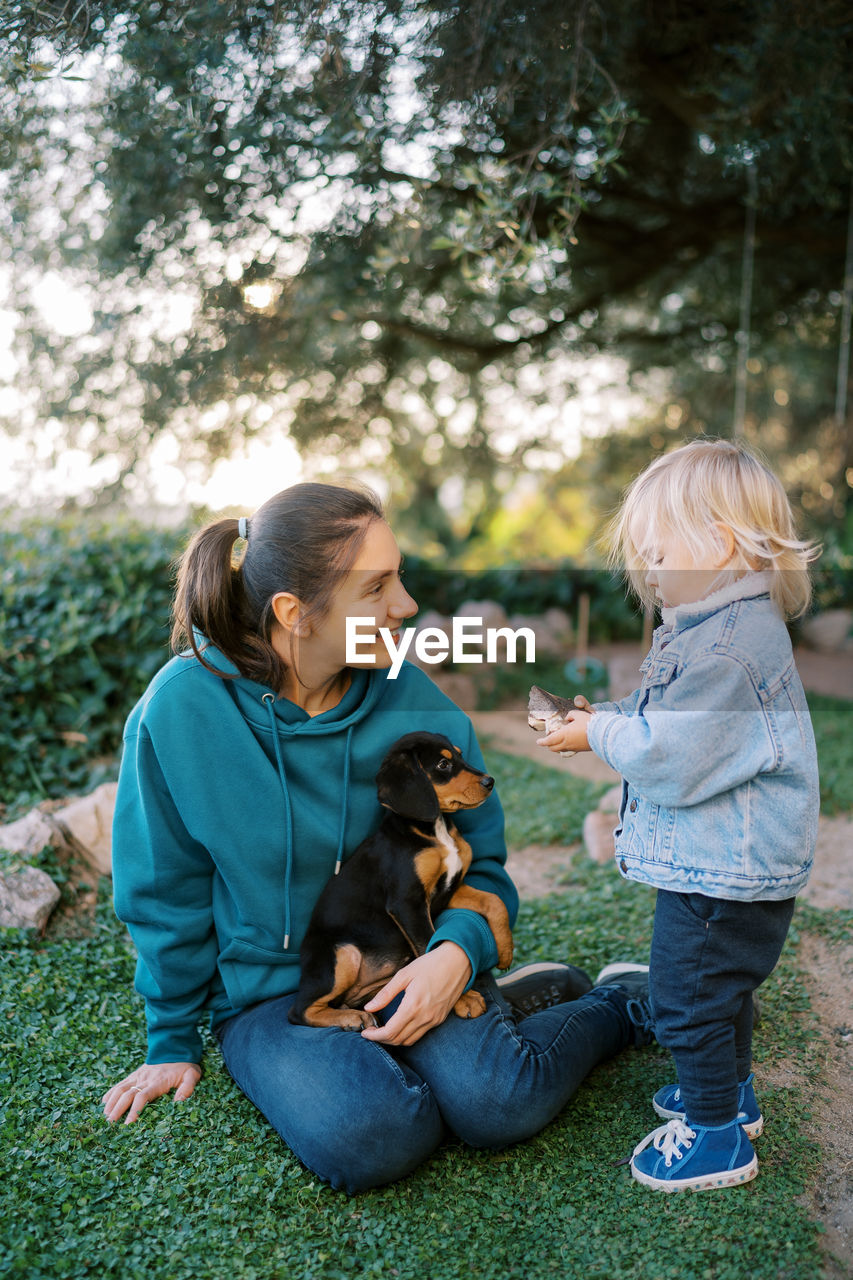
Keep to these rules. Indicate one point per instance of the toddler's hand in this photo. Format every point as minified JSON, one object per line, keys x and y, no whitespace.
{"x":571,"y":736}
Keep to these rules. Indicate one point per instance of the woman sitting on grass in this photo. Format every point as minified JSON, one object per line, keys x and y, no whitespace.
{"x":248,"y":773}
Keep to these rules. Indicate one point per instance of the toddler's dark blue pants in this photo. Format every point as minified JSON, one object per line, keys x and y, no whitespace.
{"x":708,"y":955}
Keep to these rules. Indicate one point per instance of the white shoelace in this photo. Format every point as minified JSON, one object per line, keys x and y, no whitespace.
{"x":668,"y":1140}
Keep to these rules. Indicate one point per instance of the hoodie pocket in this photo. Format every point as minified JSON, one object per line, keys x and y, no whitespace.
{"x":251,"y":973}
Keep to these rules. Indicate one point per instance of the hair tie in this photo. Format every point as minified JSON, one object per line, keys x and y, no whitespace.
{"x":242,"y":528}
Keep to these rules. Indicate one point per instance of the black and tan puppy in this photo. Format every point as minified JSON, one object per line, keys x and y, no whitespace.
{"x":377,"y":914}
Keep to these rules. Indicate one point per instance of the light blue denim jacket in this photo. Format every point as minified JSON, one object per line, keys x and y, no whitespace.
{"x":717,"y":754}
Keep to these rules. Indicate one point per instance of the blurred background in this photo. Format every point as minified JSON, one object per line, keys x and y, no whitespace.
{"x":489,"y":257}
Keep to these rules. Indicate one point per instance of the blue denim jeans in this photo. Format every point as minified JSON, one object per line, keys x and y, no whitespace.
{"x":708,"y":955}
{"x":360,"y":1115}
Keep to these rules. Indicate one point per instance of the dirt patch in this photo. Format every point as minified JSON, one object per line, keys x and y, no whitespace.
{"x":830,"y":970}
{"x":830,"y":884}
{"x":537,"y":870}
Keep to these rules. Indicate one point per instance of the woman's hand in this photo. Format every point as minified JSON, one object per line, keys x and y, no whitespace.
{"x":432,"y":983}
{"x":147,"y":1083}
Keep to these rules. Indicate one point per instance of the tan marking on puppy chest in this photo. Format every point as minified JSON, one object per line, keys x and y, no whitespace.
{"x":451,"y":861}
{"x":464,"y":850}
{"x":445,"y":859}
{"x":428,"y":867}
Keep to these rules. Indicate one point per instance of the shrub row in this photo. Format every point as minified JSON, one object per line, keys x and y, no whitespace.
{"x":528,"y":590}
{"x":84,"y":624}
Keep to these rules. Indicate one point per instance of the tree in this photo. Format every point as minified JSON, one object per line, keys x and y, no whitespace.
{"x":382,"y":214}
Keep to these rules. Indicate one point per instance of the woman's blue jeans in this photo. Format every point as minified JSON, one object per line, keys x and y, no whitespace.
{"x":360,"y":1115}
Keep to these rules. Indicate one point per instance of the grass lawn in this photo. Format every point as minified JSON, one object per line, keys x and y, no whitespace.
{"x":205,"y":1189}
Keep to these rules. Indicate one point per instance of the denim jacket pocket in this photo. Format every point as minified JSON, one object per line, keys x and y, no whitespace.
{"x":646,"y":829}
{"x":715,"y":836}
{"x":657,"y":672}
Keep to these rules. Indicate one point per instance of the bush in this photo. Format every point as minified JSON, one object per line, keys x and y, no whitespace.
{"x":84,"y":624}
{"x":530,"y":590}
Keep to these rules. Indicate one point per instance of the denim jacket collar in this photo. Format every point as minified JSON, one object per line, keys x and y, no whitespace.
{"x":678,"y":617}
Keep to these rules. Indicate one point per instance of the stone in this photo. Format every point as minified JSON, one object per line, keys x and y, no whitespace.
{"x":27,"y":897}
{"x":828,"y":632}
{"x":86,"y":824}
{"x":549,"y":641}
{"x":559,"y":624}
{"x":491,"y":613}
{"x":460,"y":688}
{"x":611,"y":800}
{"x":598,"y":835}
{"x":599,"y":824}
{"x":623,"y":675}
{"x":29,"y":835}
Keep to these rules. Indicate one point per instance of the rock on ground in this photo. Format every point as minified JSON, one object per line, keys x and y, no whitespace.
{"x":86,"y":825}
{"x":27,"y":897}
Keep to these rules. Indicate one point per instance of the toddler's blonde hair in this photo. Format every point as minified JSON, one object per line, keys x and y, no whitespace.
{"x":686,"y":493}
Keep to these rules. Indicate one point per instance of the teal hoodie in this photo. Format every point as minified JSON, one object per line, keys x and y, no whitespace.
{"x":234,"y":808}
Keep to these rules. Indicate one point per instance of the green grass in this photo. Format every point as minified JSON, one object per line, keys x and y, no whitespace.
{"x":831,"y":721}
{"x":541,"y":805}
{"x":205,"y":1189}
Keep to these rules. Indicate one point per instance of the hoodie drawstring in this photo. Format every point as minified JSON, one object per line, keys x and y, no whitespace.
{"x":344,"y":802}
{"x":269,"y":701}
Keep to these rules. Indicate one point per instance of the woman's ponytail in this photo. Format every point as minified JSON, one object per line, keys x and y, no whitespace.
{"x":303,"y":540}
{"x":210,"y":601}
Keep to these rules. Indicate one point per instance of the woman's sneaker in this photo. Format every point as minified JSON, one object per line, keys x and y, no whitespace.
{"x":684,"y":1157}
{"x":633,"y":980}
{"x":667,"y":1103}
{"x":534,"y":987}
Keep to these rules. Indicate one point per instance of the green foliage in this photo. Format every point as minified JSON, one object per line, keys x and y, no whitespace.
{"x":387,"y":212}
{"x":831,"y":721}
{"x":529,"y":590}
{"x":203,"y":1189}
{"x":84,"y":624}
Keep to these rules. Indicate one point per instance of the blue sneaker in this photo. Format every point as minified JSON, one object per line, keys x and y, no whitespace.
{"x":667,"y":1103}
{"x":683,"y":1157}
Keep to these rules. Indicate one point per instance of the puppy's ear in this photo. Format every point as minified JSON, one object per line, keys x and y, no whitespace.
{"x":403,"y":787}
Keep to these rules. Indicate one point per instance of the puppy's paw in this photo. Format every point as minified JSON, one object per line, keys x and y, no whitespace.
{"x":355,"y":1019}
{"x":505,"y":951}
{"x":469,"y":1005}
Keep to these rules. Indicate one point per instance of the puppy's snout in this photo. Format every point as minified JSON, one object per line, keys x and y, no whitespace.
{"x":487,"y":783}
